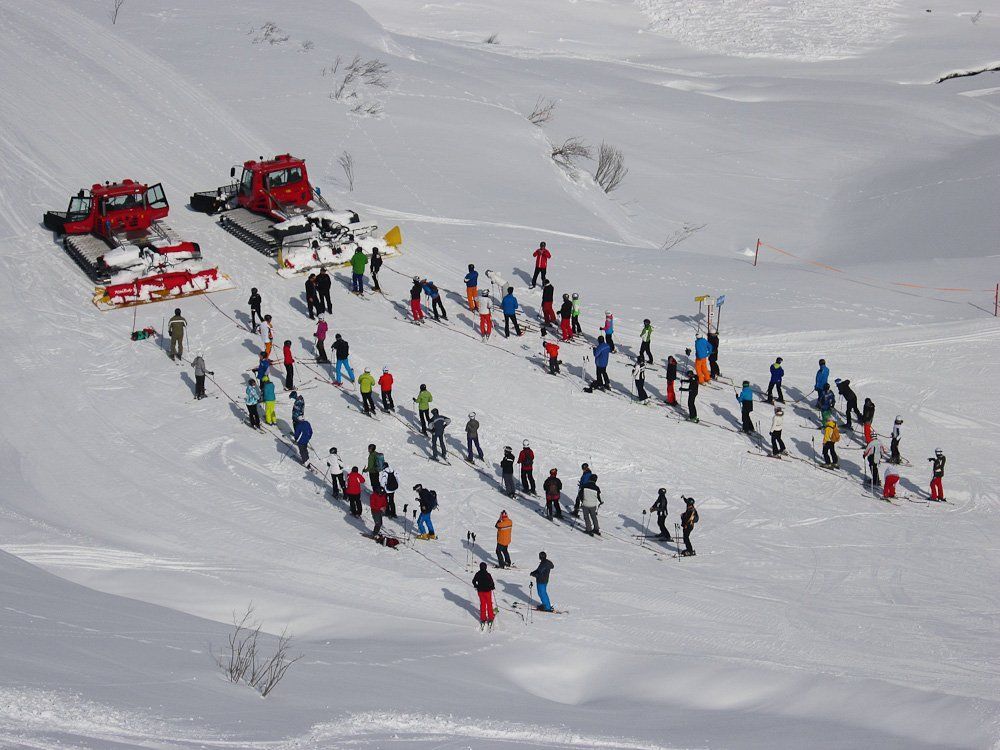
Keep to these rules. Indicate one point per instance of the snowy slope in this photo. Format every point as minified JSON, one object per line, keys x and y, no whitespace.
{"x":135,"y":521}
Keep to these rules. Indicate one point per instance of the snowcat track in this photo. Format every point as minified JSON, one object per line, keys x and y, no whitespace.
{"x":251,"y":229}
{"x":85,"y":250}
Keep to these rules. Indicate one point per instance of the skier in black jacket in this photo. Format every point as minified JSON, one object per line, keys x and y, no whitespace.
{"x":660,"y":506}
{"x":255,"y":314}
{"x":867,"y":417}
{"x":671,"y":377}
{"x":312,"y":297}
{"x":690,"y":385}
{"x":483,"y":583}
{"x":688,"y":519}
{"x":541,"y":576}
{"x":850,"y":401}
{"x":552,"y":487}
{"x":507,"y":471}
{"x":323,"y":284}
{"x":713,"y":358}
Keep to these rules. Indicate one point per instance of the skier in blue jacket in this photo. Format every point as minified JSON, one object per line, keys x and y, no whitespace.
{"x":509,"y":306}
{"x":827,"y":402}
{"x":263,"y":366}
{"x":777,"y":373}
{"x":822,"y":378}
{"x":303,"y":434}
{"x":472,"y":287}
{"x":601,"y":354}
{"x":702,"y":350}
{"x":745,"y":397}
{"x":298,"y":407}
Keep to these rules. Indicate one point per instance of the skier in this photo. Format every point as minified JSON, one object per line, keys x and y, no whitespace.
{"x":472,"y":286}
{"x":507,"y":471}
{"x":937,"y":469}
{"x":255,"y":315}
{"x":585,"y":475}
{"x":312,"y":297}
{"x":526,"y":460}
{"x":437,"y":425}
{"x":608,"y":330}
{"x":874,"y":452}
{"x":289,"y":362}
{"x":437,"y":306}
{"x":355,"y":480}
{"x":336,"y":467}
{"x":252,"y":399}
{"x":548,"y":295}
{"x":891,"y":479}
{"x":427,"y":500}
{"x":552,"y":487}
{"x":589,"y":503}
{"x":541,"y":256}
{"x":302,"y":435}
{"x":688,"y":519}
{"x":485,"y":307}
{"x":267,"y":389}
{"x":777,"y":424}
{"x":504,"y":527}
{"x":566,"y":318}
{"x":660,"y":506}
{"x":867,"y":417}
{"x":483,"y":583}
{"x":576,"y":314}
{"x":509,"y":306}
{"x":376,"y":266}
{"x":822,"y":378}
{"x":366,"y":384}
{"x":827,"y":402}
{"x":713,"y":358}
{"x":497,"y":280}
{"x":639,"y":377}
{"x":602,"y":352}
{"x":177,"y":328}
{"x":472,"y":436}
{"x":777,"y":373}
{"x":551,"y":349}
{"x":377,"y":504}
{"x":358,"y":262}
{"x":831,"y":436}
{"x":702,"y":350}
{"x":387,"y":481}
{"x":541,"y":576}
{"x":691,"y":385}
{"x":385,"y":388}
{"x":323,"y":284}
{"x":320,"y":336}
{"x":423,"y":401}
{"x":671,"y":377}
{"x":646,"y":336}
{"x":897,"y":435}
{"x":199,"y":376}
{"x":415,"y":291}
{"x":374,"y":466}
{"x":267,"y":335}
{"x":745,"y":397}
{"x":298,"y":407}
{"x":850,"y":401}
{"x":342,"y":350}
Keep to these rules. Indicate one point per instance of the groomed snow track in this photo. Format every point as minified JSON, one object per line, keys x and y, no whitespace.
{"x":251,"y":228}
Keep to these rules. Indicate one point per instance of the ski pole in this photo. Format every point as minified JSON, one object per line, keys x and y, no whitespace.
{"x":677,"y":540}
{"x":324,"y":476}
{"x":406,"y":524}
{"x":468,"y":542}
{"x":531,"y":601}
{"x":645,"y":526}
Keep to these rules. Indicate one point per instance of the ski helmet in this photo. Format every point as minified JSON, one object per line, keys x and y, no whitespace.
{"x":472,"y":415}
{"x":367,"y":370}
{"x":253,"y":290}
{"x":525,"y":443}
{"x":565,"y":296}
{"x":321,"y":317}
{"x":417,"y":487}
{"x":662,"y":491}
{"x":822,"y":362}
{"x":938,"y":452}
{"x":779,"y":360}
{"x":899,"y":419}
{"x":779,"y":410}
{"x":483,"y":566}
{"x":607,"y":313}
{"x":507,"y":448}
{"x":333,"y":450}
{"x":385,"y":369}
{"x":689,"y":500}
{"x":645,"y":321}
{"x":416,"y":279}
{"x":177,"y":311}
{"x":746,"y":383}
{"x":838,"y":381}
{"x":541,"y":244}
{"x":576,"y":296}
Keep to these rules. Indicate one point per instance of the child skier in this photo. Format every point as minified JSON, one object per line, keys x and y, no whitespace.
{"x":427,"y":500}
{"x":639,"y":378}
{"x":937,"y":489}
{"x":355,"y":481}
{"x":255,"y":315}
{"x":551,"y":349}
{"x":608,"y":330}
{"x":691,"y":385}
{"x":897,"y":435}
{"x":777,"y":424}
{"x":252,"y":399}
{"x":831,"y":436}
{"x":688,"y":519}
{"x":576,"y":314}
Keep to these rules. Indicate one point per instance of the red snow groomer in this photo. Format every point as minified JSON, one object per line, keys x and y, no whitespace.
{"x":115,"y":233}
{"x":275,"y":209}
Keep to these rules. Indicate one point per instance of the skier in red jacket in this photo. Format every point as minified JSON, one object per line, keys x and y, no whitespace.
{"x":289,"y":361}
{"x":552,"y":351}
{"x":385,"y":385}
{"x":526,"y":460}
{"x":354,"y":481}
{"x":378,"y":502}
{"x":541,"y":256}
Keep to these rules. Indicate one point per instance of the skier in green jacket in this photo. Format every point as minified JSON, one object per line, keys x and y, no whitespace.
{"x":423,"y":402}
{"x":645,"y":336}
{"x":575,"y":315}
{"x":358,"y":263}
{"x":366,"y":383}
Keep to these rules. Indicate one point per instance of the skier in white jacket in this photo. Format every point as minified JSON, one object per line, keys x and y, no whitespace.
{"x":484,"y":304}
{"x":336,"y":467}
{"x":777,"y":424}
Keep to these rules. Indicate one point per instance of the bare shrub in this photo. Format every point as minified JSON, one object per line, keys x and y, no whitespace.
{"x":493,"y":38}
{"x":544,"y":110}
{"x":243,"y":661}
{"x":116,"y":5}
{"x":269,"y":33}
{"x":271,"y":671}
{"x":307,"y":46}
{"x":346,"y":162}
{"x":570,"y":151}
{"x":678,"y":236}
{"x":359,"y":72}
{"x":611,"y":169}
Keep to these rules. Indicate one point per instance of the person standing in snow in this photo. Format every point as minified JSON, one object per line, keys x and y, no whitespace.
{"x":608,"y":330}
{"x":358,"y":263}
{"x":639,"y":378}
{"x":831,"y":436}
{"x":702,"y":351}
{"x":589,"y":504}
{"x":541,"y":576}
{"x":507,"y":471}
{"x":602,"y":352}
{"x":320,"y":336}
{"x":850,"y":401}
{"x":777,"y":373}
{"x":298,"y":408}
{"x":336,"y":467}
{"x":504,"y":527}
{"x":323,"y":285}
{"x":671,"y":378}
{"x":355,"y":481}
{"x":374,"y":466}
{"x":822,"y":379}
{"x":482,"y":581}
{"x":377,"y":504}
{"x":385,"y":389}
{"x":342,"y":350}
{"x":472,"y":436}
{"x":691,"y":384}
{"x":366,"y":384}
{"x":267,"y":336}
{"x":312,"y":297}
{"x":867,"y":418}
{"x":585,"y":475}
{"x":713,"y":358}
{"x":427,"y":500}
{"x":576,"y":315}
{"x":646,"y":336}
{"x":177,"y":327}
{"x":552,"y":487}
{"x":548,"y":296}
{"x":267,"y":389}
{"x":375,"y":267}
{"x":937,"y":470}
{"x":688,"y":519}
{"x":660,"y":506}
{"x":415,"y":291}
{"x":302,"y":435}
{"x":894,"y":438}
{"x":827,"y":402}
{"x":289,"y":362}
{"x":423,"y":401}
{"x":874,"y":453}
{"x":437,"y":426}
{"x":472,"y":287}
{"x":541,"y":256}
{"x":777,"y":425}
{"x":390,"y":483}
{"x":509,"y":306}
{"x":526,"y":460}
{"x":437,"y":306}
{"x":566,"y":318}
{"x":199,"y":376}
{"x":252,"y":399}
{"x":745,"y":397}
{"x":485,"y":307}
{"x":256,"y":317}
{"x":496,"y":280}
{"x":551,"y":349}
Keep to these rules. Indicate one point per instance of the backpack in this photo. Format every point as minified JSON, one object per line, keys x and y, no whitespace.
{"x":391,"y":483}
{"x":835,"y":434}
{"x":379,"y":462}
{"x":387,"y":541}
{"x":432,"y":497}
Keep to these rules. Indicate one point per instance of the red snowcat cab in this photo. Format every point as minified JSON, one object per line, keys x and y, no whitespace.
{"x":115,"y":233}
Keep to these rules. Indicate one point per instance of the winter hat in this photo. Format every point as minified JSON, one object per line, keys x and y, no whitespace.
{"x":525,"y":443}
{"x":471,"y":267}
{"x":333,"y":450}
{"x":434,"y":412}
{"x":837,"y":381}
{"x":541,"y":244}
{"x":253,"y":290}
{"x":746,"y":383}
{"x":417,"y":487}
{"x":507,"y":448}
{"x":293,"y":394}
{"x":177,"y":311}
{"x":472,"y":415}
{"x":510,"y":290}
{"x":371,"y":446}
{"x":662,"y":490}
{"x":482,"y":566}
{"x":541,"y":555}
{"x":287,"y":342}
{"x":646,"y":321}
{"x":779,"y":360}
